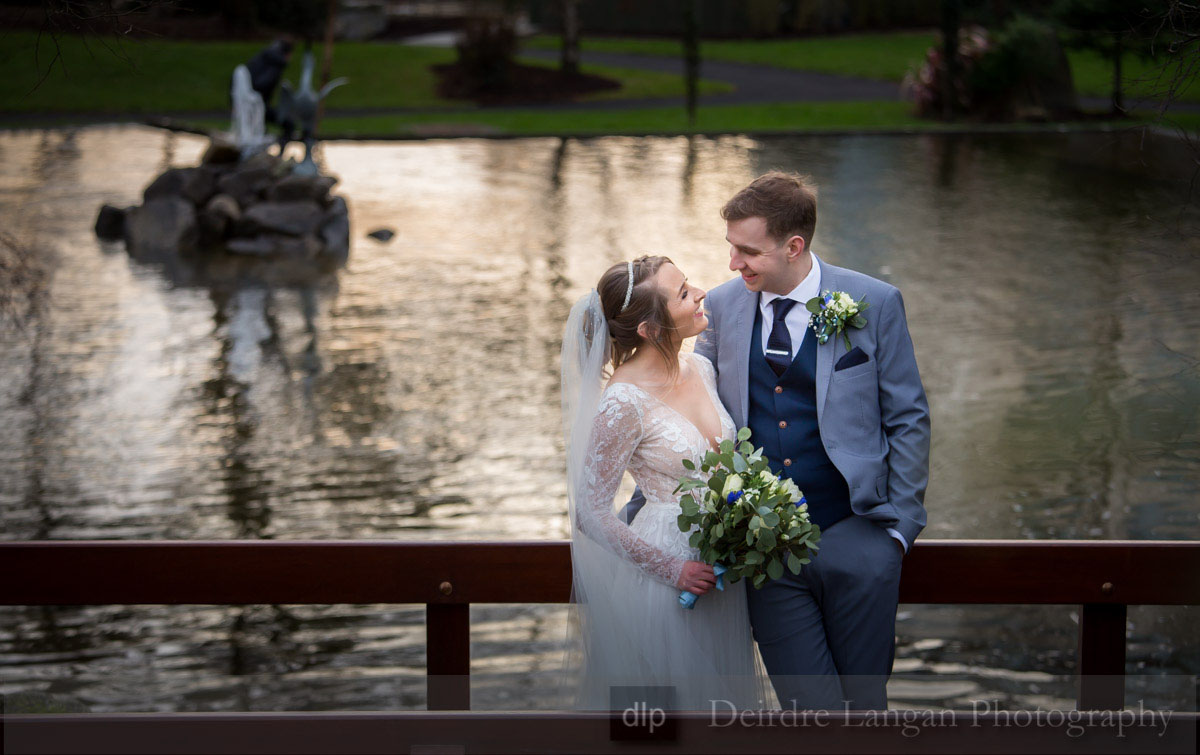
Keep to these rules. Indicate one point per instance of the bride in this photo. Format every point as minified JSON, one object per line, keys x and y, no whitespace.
{"x":631,"y":638}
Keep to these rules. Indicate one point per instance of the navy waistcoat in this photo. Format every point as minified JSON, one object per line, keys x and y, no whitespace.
{"x":799,"y":440}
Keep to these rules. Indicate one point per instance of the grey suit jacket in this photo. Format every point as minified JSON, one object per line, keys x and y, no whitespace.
{"x":874,"y":417}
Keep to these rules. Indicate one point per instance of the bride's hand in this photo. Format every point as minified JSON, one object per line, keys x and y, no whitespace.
{"x":697,"y":577}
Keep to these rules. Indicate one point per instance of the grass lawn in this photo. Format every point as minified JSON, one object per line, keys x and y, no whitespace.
{"x":1093,"y":77}
{"x":1188,"y":122}
{"x":874,"y":56}
{"x":134,"y":76}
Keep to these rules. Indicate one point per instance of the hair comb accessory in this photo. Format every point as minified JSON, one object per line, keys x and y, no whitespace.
{"x":629,"y":290}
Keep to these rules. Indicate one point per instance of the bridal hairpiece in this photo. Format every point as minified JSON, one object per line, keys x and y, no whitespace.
{"x":629,"y":290}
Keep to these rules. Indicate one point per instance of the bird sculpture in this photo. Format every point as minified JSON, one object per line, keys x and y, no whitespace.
{"x":300,"y":106}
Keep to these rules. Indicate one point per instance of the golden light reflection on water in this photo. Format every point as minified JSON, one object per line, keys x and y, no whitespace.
{"x":1051,"y":291}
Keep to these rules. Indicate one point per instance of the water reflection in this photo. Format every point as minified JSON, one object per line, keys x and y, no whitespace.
{"x":1050,"y":283}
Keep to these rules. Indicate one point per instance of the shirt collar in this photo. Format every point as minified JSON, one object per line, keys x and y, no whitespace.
{"x":809,"y":288}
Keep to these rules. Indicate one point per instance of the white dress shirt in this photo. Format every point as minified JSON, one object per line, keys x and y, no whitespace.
{"x":797,"y":316}
{"x":797,"y":325}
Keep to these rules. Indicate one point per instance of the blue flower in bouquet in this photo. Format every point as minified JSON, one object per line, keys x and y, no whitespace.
{"x":734,"y":496}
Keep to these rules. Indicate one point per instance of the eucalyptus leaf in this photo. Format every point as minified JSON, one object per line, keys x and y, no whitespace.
{"x":774,"y":569}
{"x":726,"y":446}
{"x":766,"y":538}
{"x":793,"y":563}
{"x":689,"y":464}
{"x":739,"y":464}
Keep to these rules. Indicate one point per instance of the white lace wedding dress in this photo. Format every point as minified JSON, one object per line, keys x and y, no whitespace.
{"x":634,"y":631}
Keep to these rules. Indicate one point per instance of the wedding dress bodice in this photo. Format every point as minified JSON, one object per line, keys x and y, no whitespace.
{"x":636,"y":431}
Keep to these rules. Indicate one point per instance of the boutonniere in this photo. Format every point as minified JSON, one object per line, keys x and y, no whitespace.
{"x":832,"y":311}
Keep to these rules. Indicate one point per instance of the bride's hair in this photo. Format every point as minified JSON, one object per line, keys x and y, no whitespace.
{"x":648,"y":304}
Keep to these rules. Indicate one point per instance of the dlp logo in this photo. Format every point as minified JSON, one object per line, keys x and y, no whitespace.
{"x":640,"y":713}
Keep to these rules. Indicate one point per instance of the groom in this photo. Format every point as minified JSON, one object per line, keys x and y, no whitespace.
{"x":850,"y":427}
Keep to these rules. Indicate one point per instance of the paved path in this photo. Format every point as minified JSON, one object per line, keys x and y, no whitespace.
{"x":754,"y":84}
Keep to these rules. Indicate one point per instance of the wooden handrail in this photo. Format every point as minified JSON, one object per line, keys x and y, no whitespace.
{"x":104,"y":572}
{"x":1103,"y":577}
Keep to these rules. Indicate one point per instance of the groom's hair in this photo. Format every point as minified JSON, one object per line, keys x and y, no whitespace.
{"x":782,"y":199}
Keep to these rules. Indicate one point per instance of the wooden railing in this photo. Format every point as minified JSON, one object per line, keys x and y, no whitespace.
{"x":1102,"y":577}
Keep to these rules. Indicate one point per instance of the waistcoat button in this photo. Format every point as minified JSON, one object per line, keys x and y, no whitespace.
{"x":782,"y":425}
{"x":787,"y":462}
{"x":779,"y":389}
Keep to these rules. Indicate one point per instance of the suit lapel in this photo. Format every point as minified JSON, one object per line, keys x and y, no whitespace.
{"x":742,"y":337}
{"x":825,"y":352}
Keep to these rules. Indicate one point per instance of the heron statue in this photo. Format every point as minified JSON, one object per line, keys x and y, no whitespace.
{"x":300,"y":106}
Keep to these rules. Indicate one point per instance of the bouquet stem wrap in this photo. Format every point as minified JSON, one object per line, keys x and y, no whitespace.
{"x":688,"y":599}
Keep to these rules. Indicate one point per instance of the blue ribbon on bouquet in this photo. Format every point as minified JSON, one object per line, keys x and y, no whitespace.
{"x":688,"y":599}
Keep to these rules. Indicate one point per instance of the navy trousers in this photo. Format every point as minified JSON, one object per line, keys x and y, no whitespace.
{"x":828,"y":636}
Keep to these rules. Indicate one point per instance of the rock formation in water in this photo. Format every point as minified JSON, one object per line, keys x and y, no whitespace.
{"x":256,"y":207}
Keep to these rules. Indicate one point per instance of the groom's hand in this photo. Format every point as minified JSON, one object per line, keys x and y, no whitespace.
{"x":697,"y":577}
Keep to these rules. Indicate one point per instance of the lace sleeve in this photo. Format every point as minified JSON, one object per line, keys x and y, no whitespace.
{"x":616,"y":432}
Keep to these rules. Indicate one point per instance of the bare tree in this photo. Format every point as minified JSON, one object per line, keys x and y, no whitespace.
{"x":1177,"y":35}
{"x":327,"y":52}
{"x":691,"y":57}
{"x":100,"y":22}
{"x":570,"y":37}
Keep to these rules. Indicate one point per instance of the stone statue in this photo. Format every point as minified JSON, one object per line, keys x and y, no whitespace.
{"x":301,"y":106}
{"x":248,"y":121}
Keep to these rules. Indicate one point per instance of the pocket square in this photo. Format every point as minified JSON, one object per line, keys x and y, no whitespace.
{"x":852,"y":358}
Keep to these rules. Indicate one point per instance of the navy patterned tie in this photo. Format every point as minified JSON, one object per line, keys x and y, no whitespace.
{"x":779,"y":345}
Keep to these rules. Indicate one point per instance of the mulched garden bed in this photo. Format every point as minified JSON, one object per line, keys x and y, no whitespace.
{"x":526,"y":85}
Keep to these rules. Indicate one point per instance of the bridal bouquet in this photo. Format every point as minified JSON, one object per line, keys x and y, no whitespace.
{"x":745,"y":519}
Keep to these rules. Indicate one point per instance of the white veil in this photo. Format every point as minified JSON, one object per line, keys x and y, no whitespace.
{"x":599,"y":653}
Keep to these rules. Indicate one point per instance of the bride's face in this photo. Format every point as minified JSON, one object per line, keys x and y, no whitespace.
{"x":685,"y":302}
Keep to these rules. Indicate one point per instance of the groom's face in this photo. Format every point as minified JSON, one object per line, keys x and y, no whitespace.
{"x":761,"y":260}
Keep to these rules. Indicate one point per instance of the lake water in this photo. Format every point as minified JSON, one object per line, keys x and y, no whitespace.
{"x":1052,"y":284}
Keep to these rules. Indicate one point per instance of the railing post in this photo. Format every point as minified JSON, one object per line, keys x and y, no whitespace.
{"x":448,"y":656}
{"x":1102,"y":656}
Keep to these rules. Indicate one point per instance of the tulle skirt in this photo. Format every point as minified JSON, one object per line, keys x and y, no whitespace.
{"x":639,"y":644}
